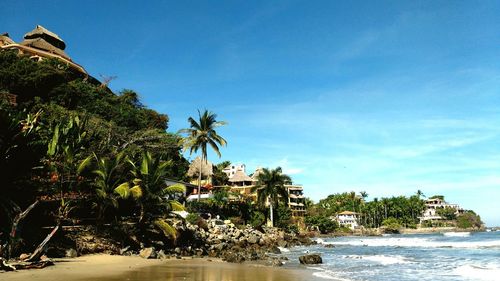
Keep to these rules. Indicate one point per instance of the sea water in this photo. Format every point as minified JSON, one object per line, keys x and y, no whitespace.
{"x":448,"y":256}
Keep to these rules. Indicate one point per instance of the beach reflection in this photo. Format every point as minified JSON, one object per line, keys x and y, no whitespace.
{"x":204,"y":270}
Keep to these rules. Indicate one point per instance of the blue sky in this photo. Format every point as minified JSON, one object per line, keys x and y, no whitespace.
{"x":385,"y":97}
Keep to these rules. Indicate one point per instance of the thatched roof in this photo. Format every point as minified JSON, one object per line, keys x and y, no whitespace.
{"x":256,"y":174}
{"x":49,"y":36}
{"x":206,"y":168}
{"x":40,"y":43}
{"x":5,"y":39}
{"x":239,"y":176}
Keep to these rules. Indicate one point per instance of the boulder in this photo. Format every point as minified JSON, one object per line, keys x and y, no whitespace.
{"x":274,"y":262}
{"x":71,"y":253}
{"x":233,"y":257}
{"x":148,"y":253}
{"x":275,"y":250}
{"x":310,"y":259}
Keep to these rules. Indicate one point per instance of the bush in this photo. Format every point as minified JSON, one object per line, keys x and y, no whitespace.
{"x":469,"y":219}
{"x":323,"y":223}
{"x":192,"y":218}
{"x":258,"y":219}
{"x":391,"y":225}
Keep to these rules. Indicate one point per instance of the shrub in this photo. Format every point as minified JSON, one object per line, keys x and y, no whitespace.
{"x":391,"y":225}
{"x":323,"y":223}
{"x":258,"y":219}
{"x":192,"y":218}
{"x":469,"y":219}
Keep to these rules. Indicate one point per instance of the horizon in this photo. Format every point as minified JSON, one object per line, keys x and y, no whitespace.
{"x":387,"y":98}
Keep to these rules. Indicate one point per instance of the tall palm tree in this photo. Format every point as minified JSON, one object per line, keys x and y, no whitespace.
{"x":271,"y":186}
{"x":200,"y":134}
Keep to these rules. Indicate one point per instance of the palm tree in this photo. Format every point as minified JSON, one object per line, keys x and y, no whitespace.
{"x":271,"y":186}
{"x":109,"y":183}
{"x":152,"y":194}
{"x":200,"y":134}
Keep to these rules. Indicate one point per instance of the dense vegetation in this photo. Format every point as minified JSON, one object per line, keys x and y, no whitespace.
{"x":75,"y":147}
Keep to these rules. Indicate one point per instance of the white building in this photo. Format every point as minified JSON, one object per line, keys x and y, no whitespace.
{"x":432,"y":206}
{"x":347,"y":219}
{"x":231,"y":170}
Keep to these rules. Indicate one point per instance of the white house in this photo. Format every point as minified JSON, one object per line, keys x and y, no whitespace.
{"x":231,"y":170}
{"x":432,"y":205}
{"x":347,"y":219}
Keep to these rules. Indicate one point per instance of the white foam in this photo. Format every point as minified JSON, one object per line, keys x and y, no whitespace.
{"x":327,"y":274}
{"x":382,"y":259}
{"x":419,"y":242}
{"x":283,"y":250}
{"x":457,"y":234}
{"x":477,"y":272}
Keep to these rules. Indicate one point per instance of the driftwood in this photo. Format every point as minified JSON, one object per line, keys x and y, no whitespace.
{"x":39,"y":250}
{"x":15,"y":224}
{"x":5,"y":266}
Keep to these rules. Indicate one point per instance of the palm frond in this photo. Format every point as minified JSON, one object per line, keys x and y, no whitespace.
{"x":123,"y":190}
{"x":175,"y":188}
{"x":166,"y":228}
{"x":83,"y":165}
{"x":175,"y":205}
{"x":136,"y":192}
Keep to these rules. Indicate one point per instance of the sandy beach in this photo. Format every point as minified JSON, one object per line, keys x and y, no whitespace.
{"x":114,"y":268}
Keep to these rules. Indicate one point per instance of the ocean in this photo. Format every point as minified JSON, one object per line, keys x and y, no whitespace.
{"x":438,"y":256}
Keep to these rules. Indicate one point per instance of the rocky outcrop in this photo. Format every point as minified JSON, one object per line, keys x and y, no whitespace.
{"x":311,"y":259}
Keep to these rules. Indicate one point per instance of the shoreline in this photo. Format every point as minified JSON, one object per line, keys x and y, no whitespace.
{"x":133,"y":268}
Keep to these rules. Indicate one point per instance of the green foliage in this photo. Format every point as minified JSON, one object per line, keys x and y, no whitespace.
{"x":469,"y":219}
{"x":258,"y":219}
{"x":192,"y":218}
{"x":441,"y":197}
{"x":391,"y":225}
{"x":283,"y":216}
{"x":448,"y":213}
{"x":323,"y":223}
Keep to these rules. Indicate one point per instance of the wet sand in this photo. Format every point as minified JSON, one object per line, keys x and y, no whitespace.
{"x":118,"y":268}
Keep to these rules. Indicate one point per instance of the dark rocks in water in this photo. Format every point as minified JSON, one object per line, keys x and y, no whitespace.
{"x":148,"y":253}
{"x":283,"y":243}
{"x":311,"y":259}
{"x":275,"y":250}
{"x":329,"y":246}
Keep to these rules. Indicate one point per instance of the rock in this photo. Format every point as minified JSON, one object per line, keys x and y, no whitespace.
{"x":329,"y":246}
{"x":253,"y":239}
{"x":177,"y":250}
{"x":274,"y":262}
{"x":282,"y":244}
{"x":71,"y":253}
{"x":148,"y":253}
{"x":161,"y":255}
{"x":124,"y":250}
{"x":310,"y":259}
{"x":233,"y":257}
{"x":275,"y":250}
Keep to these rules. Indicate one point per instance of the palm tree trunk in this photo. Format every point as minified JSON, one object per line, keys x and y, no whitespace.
{"x":271,"y":214}
{"x":199,"y":178}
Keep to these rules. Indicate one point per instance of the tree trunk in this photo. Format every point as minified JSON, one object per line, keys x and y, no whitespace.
{"x":15,"y":223}
{"x":38,"y":251}
{"x":271,"y":214}
{"x":199,"y":178}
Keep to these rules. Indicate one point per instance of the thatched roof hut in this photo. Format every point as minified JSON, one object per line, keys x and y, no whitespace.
{"x":206,"y":168}
{"x":5,"y":39}
{"x":48,"y":36}
{"x":240,"y":177}
{"x":43,"y":39}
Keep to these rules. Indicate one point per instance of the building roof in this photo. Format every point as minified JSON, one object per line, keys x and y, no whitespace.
{"x":49,"y":36}
{"x":5,"y":39}
{"x":256,"y":174}
{"x":239,"y":176}
{"x":42,"y":44}
{"x":347,"y":213}
{"x":206,"y":167}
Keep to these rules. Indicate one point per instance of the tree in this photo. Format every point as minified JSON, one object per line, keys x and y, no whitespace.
{"x":447,"y":213}
{"x":200,"y":134}
{"x":152,"y":194}
{"x":271,"y":187}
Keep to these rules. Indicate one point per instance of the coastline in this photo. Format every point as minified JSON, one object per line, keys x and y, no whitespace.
{"x":133,"y":268}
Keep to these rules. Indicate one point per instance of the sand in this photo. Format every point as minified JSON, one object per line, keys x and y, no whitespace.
{"x":118,"y":268}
